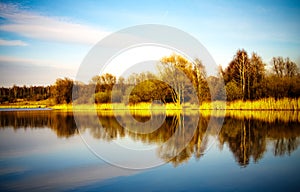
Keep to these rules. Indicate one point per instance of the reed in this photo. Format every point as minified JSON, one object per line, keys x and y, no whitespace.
{"x":262,"y":104}
{"x":266,"y":104}
{"x":118,"y":106}
{"x":270,"y":116}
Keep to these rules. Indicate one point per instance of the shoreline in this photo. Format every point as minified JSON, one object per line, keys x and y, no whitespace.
{"x":25,"y":109}
{"x":267,"y":104}
{"x":264,"y":115}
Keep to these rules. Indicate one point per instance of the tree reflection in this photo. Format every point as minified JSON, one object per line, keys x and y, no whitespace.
{"x":246,"y":136}
{"x":243,"y":139}
{"x":62,"y":124}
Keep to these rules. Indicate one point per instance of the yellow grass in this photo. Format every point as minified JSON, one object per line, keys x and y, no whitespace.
{"x":216,"y":105}
{"x":266,"y":104}
{"x":262,"y":104}
{"x":28,"y":104}
{"x":267,"y":116}
{"x":19,"y":106}
{"x":141,"y":109}
{"x":116,"y":106}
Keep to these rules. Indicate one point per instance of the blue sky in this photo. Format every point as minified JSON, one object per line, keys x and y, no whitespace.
{"x":44,"y":40}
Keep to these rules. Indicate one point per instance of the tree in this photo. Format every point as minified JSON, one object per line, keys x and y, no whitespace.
{"x":200,"y":81}
{"x":104,"y":82}
{"x":185,"y":78}
{"x":102,"y":97}
{"x":233,"y":91}
{"x":121,"y":84}
{"x":240,"y":64}
{"x":150,"y":90}
{"x":256,"y":76}
{"x":246,"y":73}
{"x":284,"y":67}
{"x":278,"y":66}
{"x":284,"y":81}
{"x":291,"y":69}
{"x":62,"y":90}
{"x":217,"y":88}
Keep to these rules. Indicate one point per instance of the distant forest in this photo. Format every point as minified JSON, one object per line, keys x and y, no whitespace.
{"x":245,"y":78}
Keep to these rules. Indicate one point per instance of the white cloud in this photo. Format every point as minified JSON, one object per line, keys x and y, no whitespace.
{"x":4,"y":42}
{"x":35,"y":25}
{"x":37,"y":62}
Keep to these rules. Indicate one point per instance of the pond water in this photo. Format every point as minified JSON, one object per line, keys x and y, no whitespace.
{"x":236,"y":151}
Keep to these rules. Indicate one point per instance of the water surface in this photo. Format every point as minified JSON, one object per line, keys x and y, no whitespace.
{"x":43,"y":150}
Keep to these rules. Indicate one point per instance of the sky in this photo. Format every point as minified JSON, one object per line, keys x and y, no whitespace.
{"x":42,"y":40}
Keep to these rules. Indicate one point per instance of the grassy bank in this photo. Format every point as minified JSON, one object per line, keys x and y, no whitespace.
{"x":263,"y":104}
{"x":18,"y":106}
{"x":269,"y":116}
{"x":28,"y":104}
{"x":119,"y":106}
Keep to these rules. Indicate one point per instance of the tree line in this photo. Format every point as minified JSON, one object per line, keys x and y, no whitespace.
{"x":247,"y":78}
{"x":31,"y":93}
{"x":178,"y":80}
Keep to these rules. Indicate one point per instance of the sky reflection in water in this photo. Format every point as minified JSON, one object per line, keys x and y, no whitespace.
{"x":43,"y":151}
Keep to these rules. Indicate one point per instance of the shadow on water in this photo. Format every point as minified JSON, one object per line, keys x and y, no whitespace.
{"x":247,"y":134}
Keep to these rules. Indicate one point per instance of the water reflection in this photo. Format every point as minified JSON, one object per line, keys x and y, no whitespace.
{"x":248,"y":135}
{"x":62,"y":124}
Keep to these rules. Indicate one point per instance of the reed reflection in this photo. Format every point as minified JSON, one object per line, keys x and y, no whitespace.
{"x":247,"y":135}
